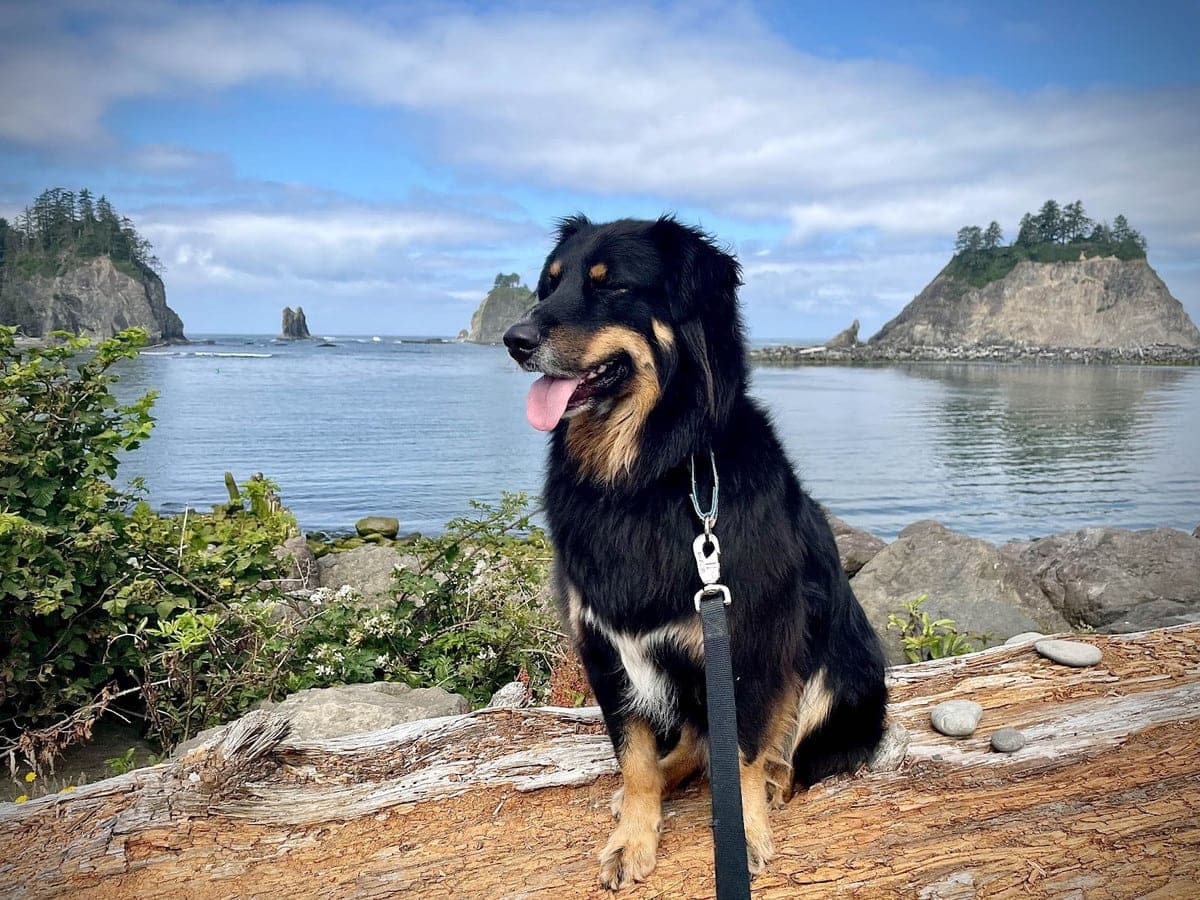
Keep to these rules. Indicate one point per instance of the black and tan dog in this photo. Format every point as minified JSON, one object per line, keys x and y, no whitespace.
{"x":639,"y":339}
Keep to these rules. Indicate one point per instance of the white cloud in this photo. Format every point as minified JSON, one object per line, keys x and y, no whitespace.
{"x":324,"y":255}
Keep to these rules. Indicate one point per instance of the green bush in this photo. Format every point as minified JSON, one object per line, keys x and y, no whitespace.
{"x":469,"y":616}
{"x":62,"y":526}
{"x":87,"y":567}
{"x":925,"y":638}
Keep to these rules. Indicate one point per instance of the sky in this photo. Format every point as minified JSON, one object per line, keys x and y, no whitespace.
{"x":378,"y":164}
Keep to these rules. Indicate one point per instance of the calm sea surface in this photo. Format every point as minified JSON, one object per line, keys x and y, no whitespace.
{"x":417,"y":430}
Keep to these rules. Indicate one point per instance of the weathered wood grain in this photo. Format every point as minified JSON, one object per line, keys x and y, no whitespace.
{"x":1103,"y":801}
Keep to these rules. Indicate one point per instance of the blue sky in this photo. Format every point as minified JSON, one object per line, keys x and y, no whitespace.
{"x":379,"y":163}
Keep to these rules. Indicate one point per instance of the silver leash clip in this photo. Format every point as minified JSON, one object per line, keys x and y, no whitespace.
{"x":707,"y":551}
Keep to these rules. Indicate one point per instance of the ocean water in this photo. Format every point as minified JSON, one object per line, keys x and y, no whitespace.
{"x":417,"y":430}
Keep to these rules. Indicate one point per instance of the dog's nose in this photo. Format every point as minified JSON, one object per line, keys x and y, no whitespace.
{"x":521,"y":340}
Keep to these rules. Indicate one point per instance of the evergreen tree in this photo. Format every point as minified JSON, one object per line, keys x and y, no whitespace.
{"x":1101,"y":234}
{"x":1027,"y":232}
{"x":1075,"y":223}
{"x":970,"y":239}
{"x":1049,"y":222}
{"x":993,"y":237}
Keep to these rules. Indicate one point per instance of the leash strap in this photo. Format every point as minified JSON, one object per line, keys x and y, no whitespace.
{"x":729,"y":831}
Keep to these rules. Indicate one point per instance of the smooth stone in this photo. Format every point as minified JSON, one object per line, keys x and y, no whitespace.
{"x":1069,"y":653}
{"x":956,"y":718}
{"x":1023,"y":637}
{"x":384,"y":525}
{"x":1007,"y":740}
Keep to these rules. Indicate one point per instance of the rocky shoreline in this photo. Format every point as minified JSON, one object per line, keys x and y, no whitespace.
{"x":882,"y":355}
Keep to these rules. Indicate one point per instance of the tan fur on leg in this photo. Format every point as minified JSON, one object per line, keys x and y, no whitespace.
{"x":760,"y":846}
{"x":629,"y":855}
{"x":686,"y":758}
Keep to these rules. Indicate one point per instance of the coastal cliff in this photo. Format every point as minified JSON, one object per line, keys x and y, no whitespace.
{"x":1104,"y":303}
{"x":95,"y":297}
{"x":505,"y":304}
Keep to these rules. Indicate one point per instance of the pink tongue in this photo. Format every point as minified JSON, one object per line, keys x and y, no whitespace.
{"x":547,"y":401}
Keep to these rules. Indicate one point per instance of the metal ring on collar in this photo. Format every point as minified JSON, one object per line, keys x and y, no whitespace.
{"x":712,"y":590}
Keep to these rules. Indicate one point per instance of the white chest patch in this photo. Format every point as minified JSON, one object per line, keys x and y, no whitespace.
{"x":651,"y":693}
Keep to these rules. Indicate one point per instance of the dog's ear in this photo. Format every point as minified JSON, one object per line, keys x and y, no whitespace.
{"x":701,"y":283}
{"x":700,"y":277}
{"x":569,"y":226}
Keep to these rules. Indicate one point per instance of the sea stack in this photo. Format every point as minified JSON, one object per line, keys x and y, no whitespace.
{"x":507,"y":303}
{"x":295,"y":328}
{"x":1089,"y":302}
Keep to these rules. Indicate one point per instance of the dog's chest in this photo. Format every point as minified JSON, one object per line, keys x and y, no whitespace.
{"x":651,"y":692}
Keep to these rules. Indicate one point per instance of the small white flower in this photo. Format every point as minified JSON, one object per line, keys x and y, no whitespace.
{"x":381,"y":661}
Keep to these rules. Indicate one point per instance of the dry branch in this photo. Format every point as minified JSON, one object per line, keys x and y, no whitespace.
{"x":1104,"y":800}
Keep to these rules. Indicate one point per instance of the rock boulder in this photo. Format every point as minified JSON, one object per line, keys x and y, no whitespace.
{"x":1115,"y":580}
{"x":856,"y":547}
{"x":305,"y":574}
{"x":366,"y":570}
{"x":320,"y":713}
{"x":386,"y":526}
{"x":965,"y":579}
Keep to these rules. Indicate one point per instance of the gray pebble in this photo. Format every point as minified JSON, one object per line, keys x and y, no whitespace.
{"x":1007,"y":740}
{"x":1023,"y":637}
{"x":956,"y":718}
{"x":1069,"y":653}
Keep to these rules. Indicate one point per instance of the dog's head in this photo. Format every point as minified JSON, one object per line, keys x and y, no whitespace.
{"x":637,"y":334}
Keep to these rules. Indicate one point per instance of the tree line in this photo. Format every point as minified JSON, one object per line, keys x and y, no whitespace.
{"x":63,"y":223}
{"x":1057,"y":225}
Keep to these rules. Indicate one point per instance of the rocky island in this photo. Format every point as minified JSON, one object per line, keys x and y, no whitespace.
{"x":506,"y":303}
{"x":69,"y":263}
{"x":1067,"y":289}
{"x":294,"y":326}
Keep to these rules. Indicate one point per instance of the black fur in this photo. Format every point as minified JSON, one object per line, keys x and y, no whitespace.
{"x":626,"y":543}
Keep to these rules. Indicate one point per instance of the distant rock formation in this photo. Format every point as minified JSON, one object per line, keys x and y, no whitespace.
{"x":92,"y":298}
{"x":506,"y":303}
{"x":295,"y":328}
{"x":846,"y":338}
{"x":1089,"y":303}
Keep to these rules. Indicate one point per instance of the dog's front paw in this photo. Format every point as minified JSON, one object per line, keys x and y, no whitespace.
{"x":628,"y":856}
{"x":760,"y":846}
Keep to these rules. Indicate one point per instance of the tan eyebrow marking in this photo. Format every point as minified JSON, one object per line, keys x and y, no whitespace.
{"x":598,"y":272}
{"x":555,"y":269}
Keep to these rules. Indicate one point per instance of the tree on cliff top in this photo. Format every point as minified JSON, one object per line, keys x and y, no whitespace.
{"x":1057,"y":233}
{"x":63,"y":224}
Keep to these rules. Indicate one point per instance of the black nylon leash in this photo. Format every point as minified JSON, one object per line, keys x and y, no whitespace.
{"x":729,"y":832}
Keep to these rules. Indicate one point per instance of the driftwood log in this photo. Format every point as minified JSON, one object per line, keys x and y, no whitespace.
{"x":1104,"y":801}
